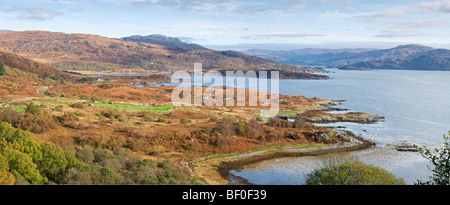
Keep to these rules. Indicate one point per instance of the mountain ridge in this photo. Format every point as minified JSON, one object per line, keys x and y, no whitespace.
{"x":87,"y":52}
{"x":403,"y":57}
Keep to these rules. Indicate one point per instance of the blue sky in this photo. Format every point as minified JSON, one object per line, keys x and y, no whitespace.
{"x":231,"y":24}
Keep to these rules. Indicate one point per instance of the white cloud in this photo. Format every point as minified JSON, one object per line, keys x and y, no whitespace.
{"x":436,"y":6}
{"x":283,"y":35}
{"x":35,"y":13}
{"x":420,"y":24}
{"x":399,"y":33}
{"x":378,"y":16}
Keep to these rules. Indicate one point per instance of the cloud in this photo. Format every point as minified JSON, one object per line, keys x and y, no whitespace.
{"x":189,"y":39}
{"x":282,"y":35}
{"x":436,"y":6}
{"x":307,"y":1}
{"x":378,"y":16}
{"x":399,"y":33}
{"x":420,"y":24}
{"x":236,"y":6}
{"x":184,"y":4}
{"x":35,"y":13}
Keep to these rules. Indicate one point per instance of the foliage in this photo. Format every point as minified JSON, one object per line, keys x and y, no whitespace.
{"x":10,"y":116}
{"x":78,"y":105}
{"x":25,"y":161}
{"x":351,"y":173}
{"x":55,"y":161}
{"x":185,"y":120}
{"x":6,"y":178}
{"x":36,"y":123}
{"x":2,"y":69}
{"x":440,"y":159}
{"x":33,"y":109}
{"x":21,"y":164}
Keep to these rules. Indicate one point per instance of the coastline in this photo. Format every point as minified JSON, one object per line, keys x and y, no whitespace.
{"x":216,"y":171}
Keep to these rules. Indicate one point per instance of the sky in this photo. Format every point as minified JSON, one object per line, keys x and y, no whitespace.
{"x":244,"y":24}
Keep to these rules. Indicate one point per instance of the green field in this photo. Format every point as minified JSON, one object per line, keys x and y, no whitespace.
{"x":18,"y":109}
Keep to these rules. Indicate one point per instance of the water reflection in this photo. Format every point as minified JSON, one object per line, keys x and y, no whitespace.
{"x":411,"y":166}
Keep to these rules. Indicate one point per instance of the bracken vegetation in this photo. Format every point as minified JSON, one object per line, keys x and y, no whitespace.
{"x":25,"y":161}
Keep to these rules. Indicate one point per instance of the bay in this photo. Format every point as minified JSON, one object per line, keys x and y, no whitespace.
{"x":416,"y":106}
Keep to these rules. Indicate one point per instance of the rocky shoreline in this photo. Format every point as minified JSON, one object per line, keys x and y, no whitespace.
{"x":219,"y":169}
{"x":344,"y":118}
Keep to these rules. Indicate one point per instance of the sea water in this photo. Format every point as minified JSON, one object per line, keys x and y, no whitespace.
{"x":416,"y":106}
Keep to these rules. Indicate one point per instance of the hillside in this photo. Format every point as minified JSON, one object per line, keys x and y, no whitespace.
{"x":27,"y":65}
{"x":164,"y":41}
{"x":422,"y":62}
{"x":341,"y":57}
{"x":84,"y":52}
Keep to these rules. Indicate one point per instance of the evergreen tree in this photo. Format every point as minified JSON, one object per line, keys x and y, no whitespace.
{"x":2,"y":69}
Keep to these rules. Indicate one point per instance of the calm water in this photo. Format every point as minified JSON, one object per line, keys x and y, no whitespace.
{"x":416,"y":105}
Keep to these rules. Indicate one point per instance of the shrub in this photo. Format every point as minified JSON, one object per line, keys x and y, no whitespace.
{"x":226,"y":127}
{"x":112,"y":114}
{"x":33,"y":109}
{"x":78,"y":105}
{"x":184,"y":121}
{"x":352,"y":173}
{"x":147,"y":117}
{"x":106,"y":86}
{"x":67,"y":118}
{"x":10,"y":116}
{"x":277,"y":122}
{"x":220,"y":141}
{"x":161,"y":119}
{"x":240,"y":128}
{"x":253,"y":129}
{"x":36,"y":123}
{"x":300,"y":123}
{"x":96,"y":99}
{"x":84,"y":97}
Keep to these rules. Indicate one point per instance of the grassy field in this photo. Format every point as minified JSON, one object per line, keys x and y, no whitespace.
{"x":18,"y":109}
{"x":290,"y":112}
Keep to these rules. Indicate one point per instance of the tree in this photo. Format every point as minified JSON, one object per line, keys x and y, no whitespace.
{"x":22,"y":164}
{"x":6,"y":178}
{"x":440,"y":159}
{"x":21,"y":141}
{"x":352,"y":173}
{"x":33,"y":109}
{"x":54,"y":162}
{"x":2,"y":69}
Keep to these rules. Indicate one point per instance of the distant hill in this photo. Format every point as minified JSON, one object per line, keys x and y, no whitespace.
{"x":436,"y":59}
{"x":405,"y":57}
{"x":164,"y":41}
{"x":97,"y":53}
{"x":309,"y":56}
